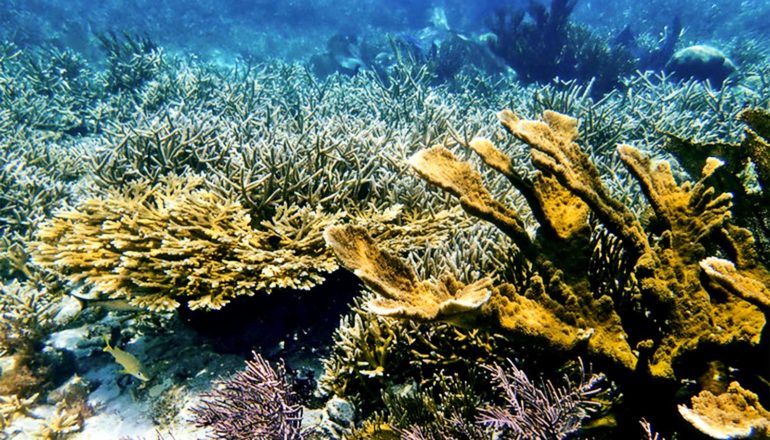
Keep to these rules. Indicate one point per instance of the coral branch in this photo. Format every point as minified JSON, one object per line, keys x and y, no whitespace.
{"x":401,"y":293}
{"x":555,"y":153}
{"x":731,"y":415}
{"x":689,"y":212}
{"x":722,"y":273}
{"x":558,"y":211}
{"x":440,"y":167}
{"x":757,"y":142}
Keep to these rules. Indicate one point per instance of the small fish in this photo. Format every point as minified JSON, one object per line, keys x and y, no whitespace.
{"x":128,"y":361}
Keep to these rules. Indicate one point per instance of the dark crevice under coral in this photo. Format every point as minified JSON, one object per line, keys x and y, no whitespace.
{"x":294,"y":325}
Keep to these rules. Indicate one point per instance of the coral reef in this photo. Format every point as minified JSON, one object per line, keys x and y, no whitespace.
{"x":543,"y":43}
{"x":736,"y":413}
{"x":546,"y":412}
{"x":255,"y":403}
{"x":676,"y":312}
{"x":653,"y":286}
{"x":157,"y":245}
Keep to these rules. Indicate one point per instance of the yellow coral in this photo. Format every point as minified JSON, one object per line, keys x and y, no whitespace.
{"x":734,"y":414}
{"x":13,"y":406}
{"x":401,"y":293}
{"x":158,"y":245}
{"x":175,"y":241}
{"x":62,"y":423}
{"x":557,"y":304}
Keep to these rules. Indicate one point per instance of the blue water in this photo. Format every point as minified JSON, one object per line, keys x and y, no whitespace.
{"x":296,"y":29}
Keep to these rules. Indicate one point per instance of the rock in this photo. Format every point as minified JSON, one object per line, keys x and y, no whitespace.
{"x":313,"y":417}
{"x":68,"y":339}
{"x":701,"y":62}
{"x":73,"y":390}
{"x":69,"y":309}
{"x":8,"y":364}
{"x":340,"y":411}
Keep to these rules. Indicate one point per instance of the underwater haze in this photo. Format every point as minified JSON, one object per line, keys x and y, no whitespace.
{"x":318,"y":220}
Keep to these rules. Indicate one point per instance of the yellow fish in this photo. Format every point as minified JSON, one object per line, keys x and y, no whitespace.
{"x":128,"y":361}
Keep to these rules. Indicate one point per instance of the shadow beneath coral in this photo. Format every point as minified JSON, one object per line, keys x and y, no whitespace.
{"x":294,"y":325}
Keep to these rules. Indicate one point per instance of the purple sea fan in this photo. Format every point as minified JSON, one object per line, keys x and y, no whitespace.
{"x":256,"y":403}
{"x":542,"y":412}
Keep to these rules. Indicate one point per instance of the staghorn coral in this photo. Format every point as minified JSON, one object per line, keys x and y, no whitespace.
{"x":32,"y":186}
{"x":51,"y":90}
{"x":454,"y":407}
{"x":175,"y":241}
{"x":132,"y":60}
{"x":446,"y":409}
{"x":364,"y":350}
{"x":157,"y":147}
{"x":255,"y":403}
{"x":372,"y":354}
{"x":27,"y":316}
{"x":13,"y":259}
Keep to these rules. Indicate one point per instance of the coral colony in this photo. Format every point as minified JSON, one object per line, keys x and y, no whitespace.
{"x":504,"y":222}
